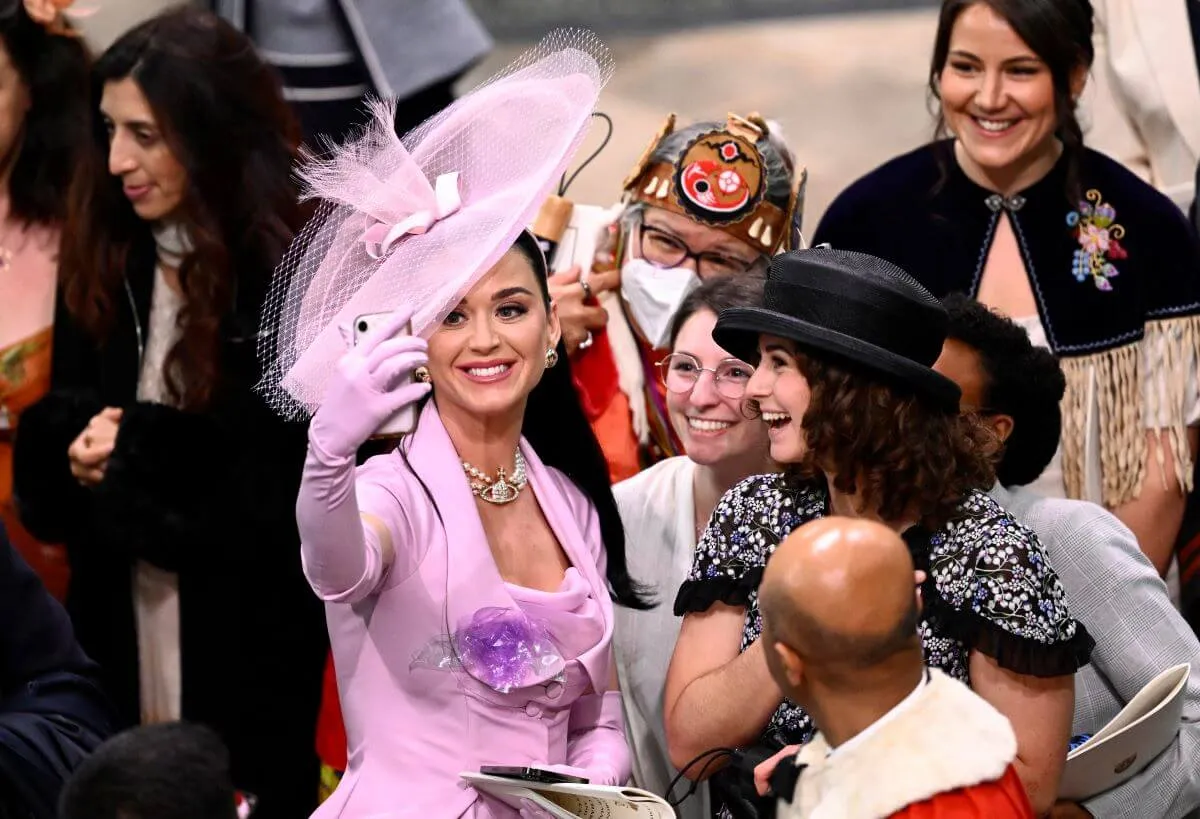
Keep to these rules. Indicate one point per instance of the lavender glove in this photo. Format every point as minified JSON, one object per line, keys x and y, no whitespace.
{"x":342,"y":562}
{"x":366,"y":388}
{"x":596,"y":739}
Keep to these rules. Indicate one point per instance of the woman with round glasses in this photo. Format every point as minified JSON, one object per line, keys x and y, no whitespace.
{"x":712,"y":200}
{"x":666,"y":507}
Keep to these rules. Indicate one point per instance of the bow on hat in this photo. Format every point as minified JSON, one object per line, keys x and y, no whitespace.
{"x":446,"y":199}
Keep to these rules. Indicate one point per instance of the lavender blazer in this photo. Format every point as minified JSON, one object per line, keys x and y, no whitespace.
{"x":412,"y":729}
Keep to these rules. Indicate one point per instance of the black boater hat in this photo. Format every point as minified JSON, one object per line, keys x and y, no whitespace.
{"x":854,"y":307}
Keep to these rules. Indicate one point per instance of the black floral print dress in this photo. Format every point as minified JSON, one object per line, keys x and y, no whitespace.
{"x":989,"y":586}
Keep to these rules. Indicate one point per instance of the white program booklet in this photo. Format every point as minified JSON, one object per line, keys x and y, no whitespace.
{"x":566,"y":801}
{"x":1130,"y":741}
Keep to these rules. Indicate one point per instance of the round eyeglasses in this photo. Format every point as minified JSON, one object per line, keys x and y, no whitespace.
{"x":663,"y":249}
{"x":679,"y":373}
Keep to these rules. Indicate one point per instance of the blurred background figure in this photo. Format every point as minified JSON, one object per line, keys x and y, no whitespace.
{"x":53,"y":712}
{"x":331,"y":53}
{"x":175,"y":770}
{"x":43,"y":132}
{"x":1144,"y":107}
{"x":169,"y":479}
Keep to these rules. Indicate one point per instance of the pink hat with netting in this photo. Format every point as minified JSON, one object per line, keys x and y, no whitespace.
{"x":418,"y":221}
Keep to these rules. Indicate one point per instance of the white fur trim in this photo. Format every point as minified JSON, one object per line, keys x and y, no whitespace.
{"x":948,"y":737}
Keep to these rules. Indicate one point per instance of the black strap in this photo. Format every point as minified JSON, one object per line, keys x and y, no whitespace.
{"x":784,"y":778}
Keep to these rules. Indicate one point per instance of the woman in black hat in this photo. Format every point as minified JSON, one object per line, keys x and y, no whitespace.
{"x":845,"y":344}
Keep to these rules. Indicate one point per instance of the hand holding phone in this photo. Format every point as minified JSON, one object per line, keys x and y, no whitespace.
{"x":370,"y":384}
{"x":405,"y":419}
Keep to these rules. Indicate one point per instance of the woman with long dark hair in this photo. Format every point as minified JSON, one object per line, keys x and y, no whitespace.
{"x":43,"y":116}
{"x":171,"y":482}
{"x":469,"y":573}
{"x":1099,"y":267}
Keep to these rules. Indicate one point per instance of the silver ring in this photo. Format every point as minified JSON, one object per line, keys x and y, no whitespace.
{"x":587,"y":342}
{"x":587,"y":292}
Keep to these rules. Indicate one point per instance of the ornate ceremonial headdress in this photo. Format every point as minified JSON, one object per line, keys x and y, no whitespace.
{"x":419,"y":220}
{"x":729,"y":175}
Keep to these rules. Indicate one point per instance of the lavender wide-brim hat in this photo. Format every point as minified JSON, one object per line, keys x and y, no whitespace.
{"x":417,"y":221}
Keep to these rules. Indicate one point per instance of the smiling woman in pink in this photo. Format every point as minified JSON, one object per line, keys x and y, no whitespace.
{"x":469,"y":573}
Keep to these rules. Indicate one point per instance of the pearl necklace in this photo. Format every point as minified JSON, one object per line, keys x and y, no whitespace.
{"x":499,"y":490}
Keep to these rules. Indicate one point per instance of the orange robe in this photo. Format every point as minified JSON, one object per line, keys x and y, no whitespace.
{"x":1004,"y":798}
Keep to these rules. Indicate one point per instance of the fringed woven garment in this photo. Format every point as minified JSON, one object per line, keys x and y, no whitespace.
{"x":1115,"y":271}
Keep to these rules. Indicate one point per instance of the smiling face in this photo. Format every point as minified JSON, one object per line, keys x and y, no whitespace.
{"x":998,"y":99}
{"x":782,"y":395}
{"x":490,"y":351}
{"x":151,"y":176}
{"x":709,"y":421}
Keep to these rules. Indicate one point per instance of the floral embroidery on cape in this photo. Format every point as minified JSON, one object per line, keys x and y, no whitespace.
{"x":1094,"y":225}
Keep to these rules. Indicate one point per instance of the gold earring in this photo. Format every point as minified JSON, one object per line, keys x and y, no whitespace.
{"x":422,"y":375}
{"x":551,"y":358}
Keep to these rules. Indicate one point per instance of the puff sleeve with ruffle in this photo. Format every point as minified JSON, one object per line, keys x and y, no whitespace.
{"x":748,"y":523}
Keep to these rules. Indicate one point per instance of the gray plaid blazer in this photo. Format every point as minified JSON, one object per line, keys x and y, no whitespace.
{"x":1118,"y":596}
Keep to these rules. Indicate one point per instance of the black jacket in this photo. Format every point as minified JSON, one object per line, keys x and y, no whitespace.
{"x":209,"y":495}
{"x":52,"y":711}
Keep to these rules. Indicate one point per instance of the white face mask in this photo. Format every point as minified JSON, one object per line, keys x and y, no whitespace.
{"x":653,"y":295}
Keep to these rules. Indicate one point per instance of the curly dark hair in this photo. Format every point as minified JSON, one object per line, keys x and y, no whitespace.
{"x":901,"y":455}
{"x":54,"y":70}
{"x":1023,"y":382}
{"x":222,"y":112}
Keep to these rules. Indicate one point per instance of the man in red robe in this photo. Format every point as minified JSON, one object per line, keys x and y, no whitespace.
{"x":840,"y":611}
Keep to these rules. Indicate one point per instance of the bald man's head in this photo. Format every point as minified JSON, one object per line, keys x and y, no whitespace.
{"x":840,"y":594}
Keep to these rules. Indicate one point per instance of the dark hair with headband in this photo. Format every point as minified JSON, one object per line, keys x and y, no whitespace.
{"x":778,"y":162}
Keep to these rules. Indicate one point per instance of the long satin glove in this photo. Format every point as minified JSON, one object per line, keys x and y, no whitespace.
{"x":364,"y":391}
{"x":596,"y":741}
